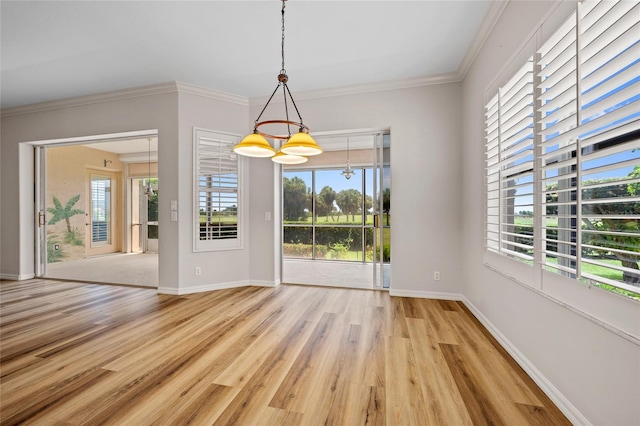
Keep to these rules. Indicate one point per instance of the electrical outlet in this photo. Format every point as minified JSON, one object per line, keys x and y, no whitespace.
{"x":436,"y":276}
{"x":198,"y":271}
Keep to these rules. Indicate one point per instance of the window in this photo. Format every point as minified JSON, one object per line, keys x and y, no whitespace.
{"x":562,"y":152}
{"x":509,"y":159}
{"x":217,"y":191}
{"x":100,"y":210}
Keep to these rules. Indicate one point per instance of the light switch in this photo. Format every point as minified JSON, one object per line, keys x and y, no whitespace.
{"x":267,"y":215}
{"x":174,"y":216}
{"x":174,"y":205}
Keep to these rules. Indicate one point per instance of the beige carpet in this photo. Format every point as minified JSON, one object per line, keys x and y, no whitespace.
{"x":133,"y":269}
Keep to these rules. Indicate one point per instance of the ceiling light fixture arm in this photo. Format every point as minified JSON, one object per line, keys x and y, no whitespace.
{"x":297,"y":146}
{"x":255,"y":127}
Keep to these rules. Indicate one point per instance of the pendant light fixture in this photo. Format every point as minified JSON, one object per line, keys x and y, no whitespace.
{"x":297,"y":146}
{"x":148,"y":191}
{"x":347,"y":172}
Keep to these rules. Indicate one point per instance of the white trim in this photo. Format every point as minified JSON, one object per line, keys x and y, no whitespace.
{"x":211,"y":94}
{"x":567,"y":408}
{"x":135,"y":92}
{"x":357,"y":89}
{"x":202,"y":288}
{"x":486,"y":27}
{"x":426,"y":294}
{"x":263,"y":283}
{"x":16,"y":277}
{"x":218,"y":286}
{"x":106,"y":137}
{"x":220,"y":244}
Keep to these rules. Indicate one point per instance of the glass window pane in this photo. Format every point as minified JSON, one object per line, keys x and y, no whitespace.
{"x":348,"y":201}
{"x":297,"y":242}
{"x":369,"y":196}
{"x":101,"y":209}
{"x":339,"y":243}
{"x":297,"y":197}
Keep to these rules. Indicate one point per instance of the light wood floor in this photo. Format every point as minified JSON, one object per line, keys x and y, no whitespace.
{"x":75,"y":353}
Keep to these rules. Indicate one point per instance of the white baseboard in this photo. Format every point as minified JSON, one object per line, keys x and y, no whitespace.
{"x":202,"y":288}
{"x":265,"y":283}
{"x":16,"y":277}
{"x":426,"y":294}
{"x":218,"y":286}
{"x":168,"y":290}
{"x":569,"y":410}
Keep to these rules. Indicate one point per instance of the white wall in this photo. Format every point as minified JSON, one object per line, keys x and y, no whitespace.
{"x":219,"y":268}
{"x":425,"y":176}
{"x":92,"y":115}
{"x":591,"y":368}
{"x":174,"y":109}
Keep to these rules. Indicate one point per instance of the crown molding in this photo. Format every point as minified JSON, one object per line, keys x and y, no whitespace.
{"x":486,"y":27}
{"x":135,"y":92}
{"x":379,"y":86}
{"x":192,"y":89}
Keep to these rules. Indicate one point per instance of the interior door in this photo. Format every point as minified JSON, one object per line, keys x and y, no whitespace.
{"x":40,"y":209}
{"x":102,"y":217}
{"x":381,"y":212}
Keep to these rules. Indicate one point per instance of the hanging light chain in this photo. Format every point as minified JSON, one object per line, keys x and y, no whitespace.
{"x":282,"y":70}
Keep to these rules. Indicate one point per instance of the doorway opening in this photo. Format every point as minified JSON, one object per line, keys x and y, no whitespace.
{"x":95,"y":222}
{"x":337,"y":213}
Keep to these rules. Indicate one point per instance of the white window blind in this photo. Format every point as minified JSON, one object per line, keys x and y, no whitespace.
{"x":217,"y":182}
{"x":558,"y":117}
{"x":492,"y":176}
{"x":609,"y":142}
{"x":586,"y":167}
{"x":509,"y":167}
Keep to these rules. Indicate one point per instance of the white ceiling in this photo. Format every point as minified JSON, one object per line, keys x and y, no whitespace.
{"x":57,"y":49}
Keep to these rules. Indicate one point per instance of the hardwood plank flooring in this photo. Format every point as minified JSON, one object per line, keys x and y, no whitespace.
{"x":82,"y":353}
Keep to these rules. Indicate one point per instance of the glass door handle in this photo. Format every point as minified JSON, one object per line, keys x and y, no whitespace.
{"x":376,"y":220}
{"x":41,"y":219}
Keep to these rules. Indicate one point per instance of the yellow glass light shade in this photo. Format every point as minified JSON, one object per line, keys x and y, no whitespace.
{"x":254,"y":145}
{"x":301,"y":144}
{"x":283,"y":158}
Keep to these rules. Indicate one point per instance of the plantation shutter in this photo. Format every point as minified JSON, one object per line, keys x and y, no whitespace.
{"x":217,"y":183}
{"x":558,"y":106}
{"x":515,"y":120}
{"x":492,"y":176}
{"x":610,"y":141}
{"x":609,"y":67}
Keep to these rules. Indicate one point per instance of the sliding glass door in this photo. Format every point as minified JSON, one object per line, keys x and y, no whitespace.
{"x":329,"y":217}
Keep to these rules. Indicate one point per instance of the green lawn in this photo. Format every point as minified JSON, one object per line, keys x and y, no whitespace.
{"x":552,"y":222}
{"x":337,"y":219}
{"x":601,"y":271}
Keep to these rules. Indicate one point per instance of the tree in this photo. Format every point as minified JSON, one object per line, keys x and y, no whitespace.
{"x":349,"y":201}
{"x":65,"y":212}
{"x":324,"y":202}
{"x":295,"y":198}
{"x":608,"y":228}
{"x":634,"y":188}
